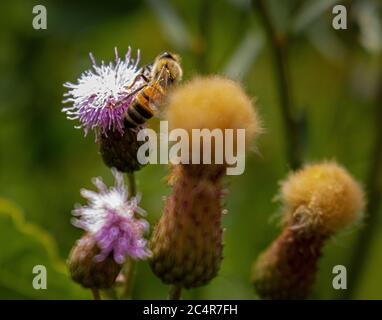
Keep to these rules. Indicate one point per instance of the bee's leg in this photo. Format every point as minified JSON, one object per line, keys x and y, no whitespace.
{"x":141,"y":75}
{"x":145,"y":78}
{"x":136,"y":90}
{"x":128,"y":96}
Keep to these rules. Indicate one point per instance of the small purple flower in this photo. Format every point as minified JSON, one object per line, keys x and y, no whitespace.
{"x":101,"y":96}
{"x":112,"y":220}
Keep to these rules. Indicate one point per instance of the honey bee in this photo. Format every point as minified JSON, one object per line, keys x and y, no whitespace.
{"x":158,"y":78}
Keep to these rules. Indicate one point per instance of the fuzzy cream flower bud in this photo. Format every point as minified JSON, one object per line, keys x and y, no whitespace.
{"x":319,"y":200}
{"x":323,"y":197}
{"x":213,"y":103}
{"x":187,"y":241}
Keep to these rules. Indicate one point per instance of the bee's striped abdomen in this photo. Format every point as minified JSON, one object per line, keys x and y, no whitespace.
{"x":143,"y":106}
{"x":139,"y":111}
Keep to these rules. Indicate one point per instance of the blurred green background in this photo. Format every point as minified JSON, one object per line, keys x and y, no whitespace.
{"x":44,"y":161}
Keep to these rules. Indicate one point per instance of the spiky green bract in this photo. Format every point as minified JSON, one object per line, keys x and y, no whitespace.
{"x":187,"y":241}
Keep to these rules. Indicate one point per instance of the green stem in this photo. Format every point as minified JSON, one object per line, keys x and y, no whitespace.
{"x":204,"y":28}
{"x":280,"y":58}
{"x":175,"y":292}
{"x":96,"y":294}
{"x":111,"y":294}
{"x":132,"y":185}
{"x":374,"y":187}
{"x":129,"y":272}
{"x":129,"y":267}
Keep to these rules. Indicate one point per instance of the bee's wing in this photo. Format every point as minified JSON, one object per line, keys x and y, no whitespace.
{"x":159,"y":85}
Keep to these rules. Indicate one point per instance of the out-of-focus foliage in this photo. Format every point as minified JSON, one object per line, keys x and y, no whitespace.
{"x":44,"y":161}
{"x":29,"y":246}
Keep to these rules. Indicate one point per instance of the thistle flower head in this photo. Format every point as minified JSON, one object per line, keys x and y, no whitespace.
{"x":322,"y":195}
{"x":102,"y":94}
{"x":110,"y":218}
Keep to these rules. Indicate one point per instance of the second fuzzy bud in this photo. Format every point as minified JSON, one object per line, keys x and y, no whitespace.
{"x":319,"y":200}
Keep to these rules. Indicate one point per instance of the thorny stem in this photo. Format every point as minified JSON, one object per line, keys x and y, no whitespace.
{"x":280,"y":57}
{"x":174,"y":292}
{"x":374,"y":188}
{"x":129,"y":267}
{"x":96,"y":294}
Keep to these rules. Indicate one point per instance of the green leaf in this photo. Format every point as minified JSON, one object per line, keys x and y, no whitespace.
{"x":245,"y":56}
{"x":368,"y":16}
{"x":327,"y":42}
{"x":23,"y":246}
{"x":174,"y":27}
{"x":309,"y":13}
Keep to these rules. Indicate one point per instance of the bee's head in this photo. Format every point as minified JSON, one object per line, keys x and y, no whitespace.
{"x":168,"y":55}
{"x":171,"y":63}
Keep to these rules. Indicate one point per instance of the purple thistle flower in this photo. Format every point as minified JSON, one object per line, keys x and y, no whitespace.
{"x":112,"y":220}
{"x":101,"y":95}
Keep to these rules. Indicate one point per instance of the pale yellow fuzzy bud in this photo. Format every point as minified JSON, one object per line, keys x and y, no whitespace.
{"x":213,"y":103}
{"x":319,"y":200}
{"x":322,"y":196}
